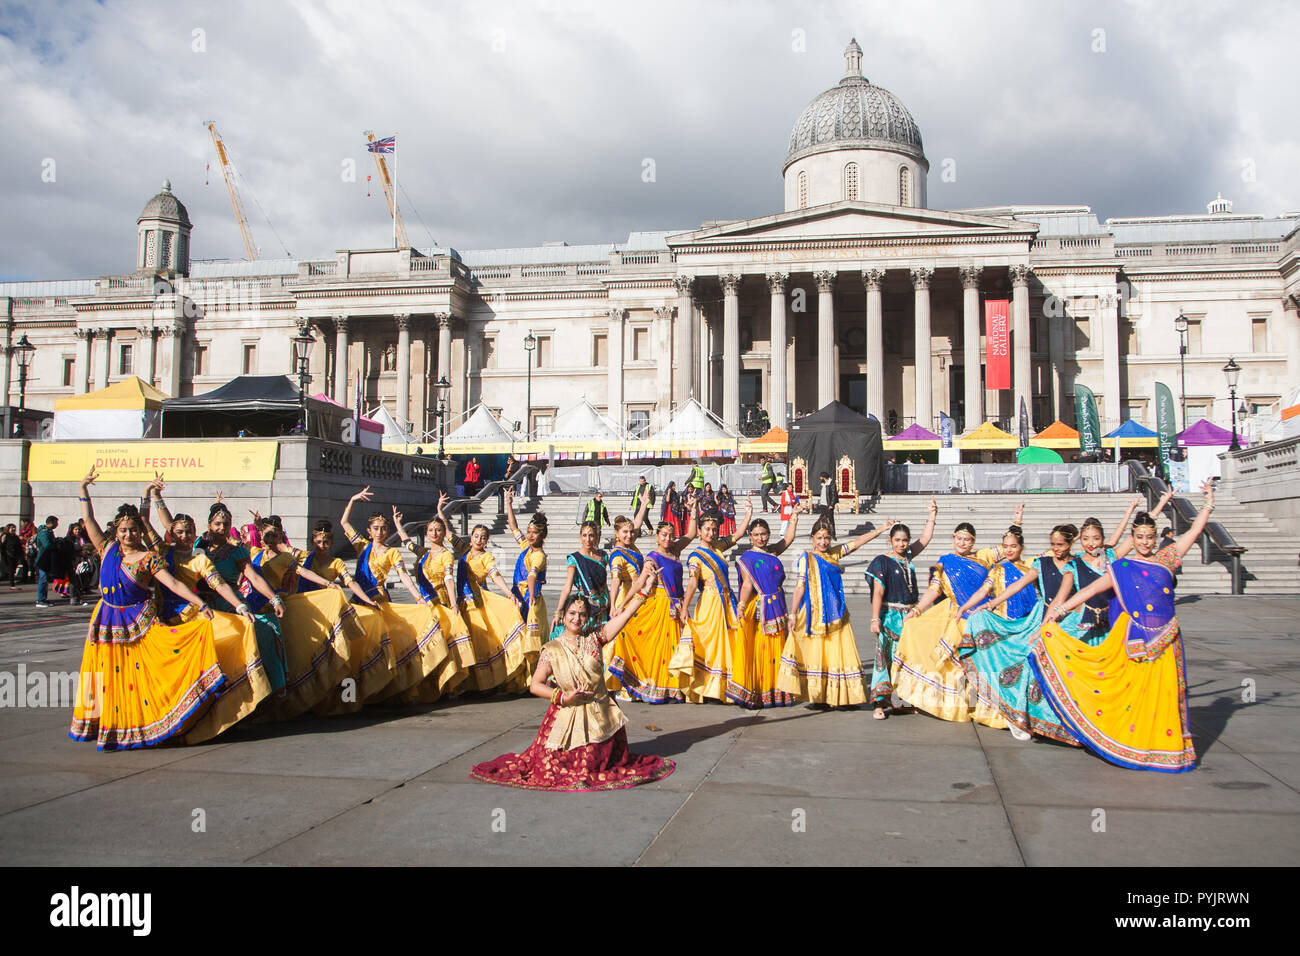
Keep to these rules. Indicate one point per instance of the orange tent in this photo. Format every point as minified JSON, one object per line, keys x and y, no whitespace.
{"x":772,"y":441}
{"x":1056,"y":435}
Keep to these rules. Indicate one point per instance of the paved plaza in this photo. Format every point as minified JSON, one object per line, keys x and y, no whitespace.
{"x":789,"y":786}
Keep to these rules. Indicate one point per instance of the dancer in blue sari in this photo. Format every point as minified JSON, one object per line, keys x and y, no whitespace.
{"x":994,"y":652}
{"x":760,"y":638}
{"x":893,"y":594}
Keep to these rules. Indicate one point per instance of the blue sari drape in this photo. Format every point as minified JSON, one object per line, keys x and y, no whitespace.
{"x":589,"y":579}
{"x":719,"y":568}
{"x":520,"y":583}
{"x":126,"y":609}
{"x":374,"y":589}
{"x":965,"y":576}
{"x":823,"y":597}
{"x":170,"y":605}
{"x":768,"y":575}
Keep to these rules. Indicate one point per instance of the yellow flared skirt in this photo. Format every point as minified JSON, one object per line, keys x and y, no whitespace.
{"x":1132,"y":713}
{"x":712,"y":639}
{"x":822,"y":669}
{"x":140,"y":694}
{"x":246,"y":684}
{"x":371,"y":664}
{"x":419,"y":649}
{"x":756,"y":663}
{"x":927,"y":674}
{"x":455,"y":669}
{"x":652,"y":658}
{"x":496,"y":634}
{"x":316,"y":647}
{"x":537,"y":631}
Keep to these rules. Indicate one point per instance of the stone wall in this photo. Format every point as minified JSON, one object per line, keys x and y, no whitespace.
{"x":1266,"y":477}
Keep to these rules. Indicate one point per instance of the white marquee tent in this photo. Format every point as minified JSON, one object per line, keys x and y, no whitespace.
{"x":130,"y":408}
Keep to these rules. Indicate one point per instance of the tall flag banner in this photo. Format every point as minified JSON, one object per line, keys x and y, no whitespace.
{"x":1166,"y":422}
{"x":997,"y":345}
{"x":1024,"y":423}
{"x":1086,"y":420}
{"x":945,"y":429}
{"x":356,"y":413}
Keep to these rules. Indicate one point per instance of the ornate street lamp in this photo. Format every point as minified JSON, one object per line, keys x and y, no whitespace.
{"x":1180,"y":323}
{"x":442,"y":387}
{"x":25,"y":352}
{"x":530,"y":343}
{"x":302,"y":345}
{"x":1232,"y":371}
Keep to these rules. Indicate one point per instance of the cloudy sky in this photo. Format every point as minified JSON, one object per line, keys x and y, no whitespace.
{"x":524,"y":122}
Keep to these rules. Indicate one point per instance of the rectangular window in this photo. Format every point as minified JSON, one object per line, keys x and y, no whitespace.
{"x":1259,"y":335}
{"x":200,"y":361}
{"x":1193,"y":336}
{"x":1196,"y":411}
{"x":545,"y":359}
{"x":124,"y":364}
{"x":69,"y":370}
{"x":489,"y":352}
{"x":543,"y":422}
{"x":250,"y":359}
{"x":638,"y":422}
{"x":600,"y":351}
{"x":641,"y":344}
{"x":1136,"y":411}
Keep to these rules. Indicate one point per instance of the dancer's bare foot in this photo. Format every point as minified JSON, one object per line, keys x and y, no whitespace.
{"x":880,"y":713}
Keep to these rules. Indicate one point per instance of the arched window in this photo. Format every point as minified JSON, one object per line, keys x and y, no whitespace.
{"x":904,"y":186}
{"x":803,"y":190}
{"x":851,"y":181}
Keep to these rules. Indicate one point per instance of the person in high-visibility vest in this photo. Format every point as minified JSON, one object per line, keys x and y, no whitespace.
{"x":596,"y":512}
{"x":644,"y":494}
{"x":768,"y":481}
{"x":696,"y":479}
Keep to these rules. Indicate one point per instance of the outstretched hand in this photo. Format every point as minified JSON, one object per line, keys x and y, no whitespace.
{"x":365,"y":494}
{"x":90,"y":479}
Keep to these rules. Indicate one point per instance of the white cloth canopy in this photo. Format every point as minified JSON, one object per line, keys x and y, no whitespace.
{"x":582,"y":423}
{"x":392,"y":431}
{"x":479,"y":428}
{"x":130,"y":408}
{"x":692,"y":425}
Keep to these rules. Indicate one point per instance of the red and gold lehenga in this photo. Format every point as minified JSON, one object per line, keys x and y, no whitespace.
{"x":578,"y":748}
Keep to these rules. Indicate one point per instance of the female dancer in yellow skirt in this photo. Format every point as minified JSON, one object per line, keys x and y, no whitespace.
{"x":419,"y":649}
{"x":437,"y":570}
{"x":820,"y":661}
{"x":141,"y":681}
{"x":234,"y":635}
{"x":714,"y":625}
{"x":925,"y":671}
{"x":1125,"y":699}
{"x":625,"y":562}
{"x":756,"y":655}
{"x":529,"y":576}
{"x":495,"y":625}
{"x":653,"y":657}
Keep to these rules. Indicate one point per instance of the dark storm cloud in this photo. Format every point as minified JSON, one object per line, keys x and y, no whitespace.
{"x":522,"y":123}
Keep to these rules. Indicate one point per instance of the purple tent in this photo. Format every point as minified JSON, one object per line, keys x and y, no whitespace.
{"x":1206,"y":432}
{"x":914,"y":432}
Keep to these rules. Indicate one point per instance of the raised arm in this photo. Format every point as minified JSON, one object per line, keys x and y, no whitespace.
{"x":1188,"y":538}
{"x":1122,"y":528}
{"x":510,"y":511}
{"x":792,"y":526}
{"x":727,"y":542}
{"x":1019,"y":516}
{"x":927,"y":533}
{"x":639,"y":520}
{"x":692,"y":529}
{"x":640,"y":591}
{"x":345,"y":522}
{"x":164,"y":513}
{"x":874,"y":533}
{"x":93,"y":531}
{"x":152,"y":491}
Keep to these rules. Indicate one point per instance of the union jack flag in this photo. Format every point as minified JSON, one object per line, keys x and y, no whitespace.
{"x":387,"y":145}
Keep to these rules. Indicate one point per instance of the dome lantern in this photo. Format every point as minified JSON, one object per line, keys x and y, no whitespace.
{"x":164,"y":235}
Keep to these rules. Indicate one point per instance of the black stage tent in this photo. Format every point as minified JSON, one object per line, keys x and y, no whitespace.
{"x":822,"y":437}
{"x":260,"y":406}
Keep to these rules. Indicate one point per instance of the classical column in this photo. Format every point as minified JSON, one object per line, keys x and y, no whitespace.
{"x":6,"y":357}
{"x":1108,"y":307}
{"x":970,"y":334}
{"x":175,"y":336}
{"x":730,"y":348}
{"x":145,"y":364}
{"x":81,"y":374}
{"x":663,"y":370}
{"x":685,"y":362}
{"x":703,"y":347}
{"x":444,"y":345}
{"x":825,"y":337}
{"x":614,"y":349}
{"x":1291,"y":336}
{"x":341,"y":360}
{"x":923,"y":403}
{"x":105,"y":357}
{"x":1022,"y":367}
{"x":776,"y":282}
{"x":1056,"y":360}
{"x":403,"y":321}
{"x":873,"y":280}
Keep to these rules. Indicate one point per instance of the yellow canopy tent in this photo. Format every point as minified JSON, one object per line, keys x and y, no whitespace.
{"x":130,"y":408}
{"x":988,"y":436}
{"x":1056,"y":435}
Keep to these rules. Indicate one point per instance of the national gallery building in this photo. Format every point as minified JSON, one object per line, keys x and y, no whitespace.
{"x":855,"y":290}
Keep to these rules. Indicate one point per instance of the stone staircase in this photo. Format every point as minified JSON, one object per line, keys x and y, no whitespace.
{"x":1269,"y":564}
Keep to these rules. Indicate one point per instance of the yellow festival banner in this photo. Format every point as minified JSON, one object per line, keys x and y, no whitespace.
{"x":141,"y":460}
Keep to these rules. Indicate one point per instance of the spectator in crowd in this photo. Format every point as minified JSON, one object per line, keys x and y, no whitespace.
{"x":597,"y":513}
{"x":644,"y":493}
{"x":789,"y":501}
{"x":767,"y":479}
{"x":11,"y":554}
{"x":826,"y":504}
{"x":47,"y":558}
{"x":473,"y":477}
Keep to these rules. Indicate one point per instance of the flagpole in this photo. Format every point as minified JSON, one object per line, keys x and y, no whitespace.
{"x":394,"y":190}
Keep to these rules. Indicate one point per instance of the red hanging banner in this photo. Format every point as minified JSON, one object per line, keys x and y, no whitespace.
{"x":997,"y":345}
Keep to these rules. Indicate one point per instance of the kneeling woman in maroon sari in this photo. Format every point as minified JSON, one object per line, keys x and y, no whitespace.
{"x":582,"y":743}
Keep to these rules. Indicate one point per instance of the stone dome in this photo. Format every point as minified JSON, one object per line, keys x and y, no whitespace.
{"x":165,"y":207}
{"x":855,"y":114}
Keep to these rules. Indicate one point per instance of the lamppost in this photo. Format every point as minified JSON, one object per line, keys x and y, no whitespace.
{"x":302,"y":344}
{"x":530,"y":343}
{"x":1180,"y":323}
{"x":25,"y":352}
{"x":442,"y":387}
{"x":1231,"y":371}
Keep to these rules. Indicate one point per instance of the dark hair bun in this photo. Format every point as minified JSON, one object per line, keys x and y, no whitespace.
{"x":1067,"y":531}
{"x":538,"y":519}
{"x":126,"y":511}
{"x":218,"y":509}
{"x":1144,"y":519}
{"x":324,"y":524}
{"x":1015,"y":529}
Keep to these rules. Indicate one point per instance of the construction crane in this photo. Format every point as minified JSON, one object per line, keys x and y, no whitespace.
{"x":390,"y":195}
{"x":228,"y":171}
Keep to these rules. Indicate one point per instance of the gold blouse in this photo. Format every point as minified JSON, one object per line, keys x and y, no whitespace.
{"x":590,"y":723}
